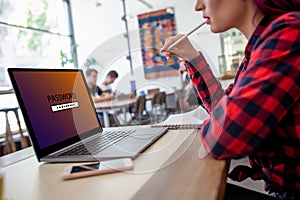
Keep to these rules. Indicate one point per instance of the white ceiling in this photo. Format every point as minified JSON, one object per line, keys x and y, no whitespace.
{"x":139,"y":6}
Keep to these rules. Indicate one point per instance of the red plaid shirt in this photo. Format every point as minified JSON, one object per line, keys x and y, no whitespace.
{"x":259,"y":114}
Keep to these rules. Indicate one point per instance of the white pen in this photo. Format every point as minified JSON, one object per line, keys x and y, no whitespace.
{"x":185,"y":36}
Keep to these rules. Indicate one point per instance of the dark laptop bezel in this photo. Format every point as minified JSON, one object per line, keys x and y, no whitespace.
{"x":40,"y":153}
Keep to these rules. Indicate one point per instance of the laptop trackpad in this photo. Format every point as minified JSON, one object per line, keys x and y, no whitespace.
{"x":133,"y":144}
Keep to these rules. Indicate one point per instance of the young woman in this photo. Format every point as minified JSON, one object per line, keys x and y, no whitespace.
{"x":259,"y":114}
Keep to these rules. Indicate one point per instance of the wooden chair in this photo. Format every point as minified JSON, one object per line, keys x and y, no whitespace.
{"x":10,"y":145}
{"x":172,"y":104}
{"x":153,"y":91}
{"x":158,"y":106}
{"x":140,"y":116}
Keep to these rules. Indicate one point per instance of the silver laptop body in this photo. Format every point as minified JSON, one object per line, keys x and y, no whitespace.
{"x":62,"y":122}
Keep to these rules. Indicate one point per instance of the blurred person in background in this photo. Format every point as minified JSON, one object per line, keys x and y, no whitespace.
{"x":97,"y":94}
{"x":110,"y":78}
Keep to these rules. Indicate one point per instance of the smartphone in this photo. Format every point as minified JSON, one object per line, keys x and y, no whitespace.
{"x":104,"y":167}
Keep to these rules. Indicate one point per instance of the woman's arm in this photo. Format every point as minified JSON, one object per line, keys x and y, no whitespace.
{"x":261,"y":97}
{"x":208,"y":86}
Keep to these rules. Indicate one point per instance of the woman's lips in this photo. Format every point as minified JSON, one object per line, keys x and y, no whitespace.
{"x":208,"y":21}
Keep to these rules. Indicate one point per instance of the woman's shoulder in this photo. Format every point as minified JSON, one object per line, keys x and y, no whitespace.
{"x":279,"y":42}
{"x":290,"y":19}
{"x":284,"y":27}
{"x":290,"y":16}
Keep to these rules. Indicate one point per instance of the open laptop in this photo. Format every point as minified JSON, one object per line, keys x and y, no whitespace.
{"x":62,"y":122}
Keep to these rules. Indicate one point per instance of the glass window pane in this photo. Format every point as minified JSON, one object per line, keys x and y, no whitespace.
{"x":27,"y":48}
{"x":24,"y":47}
{"x":49,"y":15}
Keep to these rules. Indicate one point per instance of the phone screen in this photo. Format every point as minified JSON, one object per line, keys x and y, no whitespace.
{"x":110,"y":164}
{"x":85,"y":168}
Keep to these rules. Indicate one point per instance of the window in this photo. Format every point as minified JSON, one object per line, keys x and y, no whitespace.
{"x":233,"y":43}
{"x":35,"y":33}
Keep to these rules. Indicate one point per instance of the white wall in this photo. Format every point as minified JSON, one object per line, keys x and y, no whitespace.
{"x":99,"y":34}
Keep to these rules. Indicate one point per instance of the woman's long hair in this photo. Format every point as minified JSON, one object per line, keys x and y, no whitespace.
{"x":277,"y":7}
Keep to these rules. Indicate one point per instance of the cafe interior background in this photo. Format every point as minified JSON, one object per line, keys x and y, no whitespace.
{"x":100,"y":34}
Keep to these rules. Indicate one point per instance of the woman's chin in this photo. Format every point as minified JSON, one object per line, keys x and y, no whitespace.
{"x":216,"y":29}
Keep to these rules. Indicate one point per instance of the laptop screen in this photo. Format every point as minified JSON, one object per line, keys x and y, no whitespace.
{"x":57,"y":104}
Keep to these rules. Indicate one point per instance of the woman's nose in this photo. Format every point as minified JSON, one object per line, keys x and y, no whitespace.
{"x":199,"y":5}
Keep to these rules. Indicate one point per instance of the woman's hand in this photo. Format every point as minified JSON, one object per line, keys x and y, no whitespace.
{"x":184,"y":49}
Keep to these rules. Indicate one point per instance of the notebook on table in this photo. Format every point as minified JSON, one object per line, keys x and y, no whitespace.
{"x":188,"y":120}
{"x":62,"y":122}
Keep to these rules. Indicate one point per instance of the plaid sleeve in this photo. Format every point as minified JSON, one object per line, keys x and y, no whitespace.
{"x":208,"y":87}
{"x":262,"y":95}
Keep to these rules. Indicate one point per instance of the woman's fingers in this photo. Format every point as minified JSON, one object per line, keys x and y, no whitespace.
{"x":169,"y":52}
{"x":183,"y":49}
{"x":169,"y":41}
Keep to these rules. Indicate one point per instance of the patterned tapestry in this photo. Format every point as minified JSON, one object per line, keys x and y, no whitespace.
{"x":155,"y":27}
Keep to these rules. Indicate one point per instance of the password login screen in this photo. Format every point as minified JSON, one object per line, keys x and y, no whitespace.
{"x":57,"y":104}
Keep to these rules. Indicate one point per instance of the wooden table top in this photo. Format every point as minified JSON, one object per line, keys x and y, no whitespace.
{"x":117,"y":103}
{"x":189,"y":177}
{"x":168,"y":169}
{"x":114,"y":104}
{"x":6,"y":90}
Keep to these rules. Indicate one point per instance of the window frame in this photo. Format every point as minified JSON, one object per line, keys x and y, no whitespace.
{"x":71,"y":35}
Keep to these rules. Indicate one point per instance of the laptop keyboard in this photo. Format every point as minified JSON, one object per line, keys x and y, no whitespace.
{"x":98,"y":144}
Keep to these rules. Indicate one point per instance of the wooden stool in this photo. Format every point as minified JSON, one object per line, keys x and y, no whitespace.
{"x":158,"y":102}
{"x":10,"y":145}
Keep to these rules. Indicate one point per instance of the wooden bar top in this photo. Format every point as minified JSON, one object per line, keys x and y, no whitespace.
{"x":168,"y":169}
{"x":189,"y":177}
{"x":120,"y":103}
